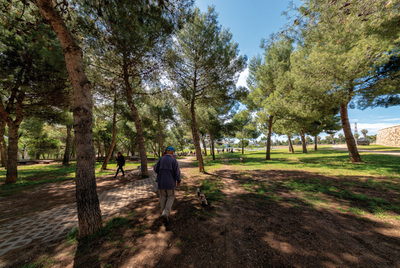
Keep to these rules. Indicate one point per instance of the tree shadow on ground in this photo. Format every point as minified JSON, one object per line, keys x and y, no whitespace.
{"x":282,"y":229}
{"x":324,"y":159}
{"x":270,"y":221}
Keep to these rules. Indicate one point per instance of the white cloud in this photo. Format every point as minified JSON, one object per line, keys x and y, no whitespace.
{"x":391,"y":119}
{"x":242,"y":78}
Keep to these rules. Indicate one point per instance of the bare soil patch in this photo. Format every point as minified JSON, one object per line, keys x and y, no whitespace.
{"x":245,"y":229}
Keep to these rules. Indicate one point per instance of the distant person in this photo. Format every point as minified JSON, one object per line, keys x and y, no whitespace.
{"x":120,"y":164}
{"x":168,"y":177}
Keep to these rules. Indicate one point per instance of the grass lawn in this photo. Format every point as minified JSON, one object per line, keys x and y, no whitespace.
{"x":267,"y":213}
{"x":323,"y":178}
{"x":32,"y":175}
{"x":374,"y":147}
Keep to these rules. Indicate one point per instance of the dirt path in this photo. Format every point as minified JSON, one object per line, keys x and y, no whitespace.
{"x":247,"y":227}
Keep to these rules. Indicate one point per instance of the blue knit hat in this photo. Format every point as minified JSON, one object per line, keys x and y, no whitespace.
{"x":170,"y":148}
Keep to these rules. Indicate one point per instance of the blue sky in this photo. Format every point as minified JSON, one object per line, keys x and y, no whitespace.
{"x":251,"y":20}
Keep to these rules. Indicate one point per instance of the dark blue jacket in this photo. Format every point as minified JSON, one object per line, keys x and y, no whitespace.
{"x":168,"y":172}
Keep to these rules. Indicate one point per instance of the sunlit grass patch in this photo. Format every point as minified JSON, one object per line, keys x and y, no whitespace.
{"x":212,"y":189}
{"x":374,"y":147}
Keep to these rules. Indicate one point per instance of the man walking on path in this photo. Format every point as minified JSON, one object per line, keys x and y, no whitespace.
{"x":168,"y":177}
{"x":120,"y":164}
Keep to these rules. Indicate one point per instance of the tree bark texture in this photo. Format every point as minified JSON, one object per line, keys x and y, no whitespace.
{"x":270,"y":122}
{"x":351,"y":143}
{"x":138,"y":121}
{"x":212,"y":146}
{"x":3,"y":145}
{"x":114,"y":138}
{"x":196,"y":138}
{"x":242,"y":144}
{"x":160,"y":138}
{"x":139,"y":129}
{"x":290,"y":144}
{"x":316,"y":143}
{"x":204,"y":146}
{"x":303,"y":140}
{"x":89,"y":214}
{"x":67,"y":146}
{"x":12,"y":161}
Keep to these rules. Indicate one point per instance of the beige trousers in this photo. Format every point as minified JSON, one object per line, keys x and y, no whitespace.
{"x":166,"y":200}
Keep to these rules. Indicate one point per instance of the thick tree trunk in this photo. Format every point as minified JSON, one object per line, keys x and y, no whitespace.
{"x":290,"y":144}
{"x":142,"y":147}
{"x":212,"y":146}
{"x":351,"y":144}
{"x":67,"y":146}
{"x":114,"y":138}
{"x":137,"y":120}
{"x":196,"y":138}
{"x":3,"y":145}
{"x":204,"y":146}
{"x":303,"y":140}
{"x":316,"y":143}
{"x":242,"y":145}
{"x":88,"y":206}
{"x":270,"y":122}
{"x":12,"y":162}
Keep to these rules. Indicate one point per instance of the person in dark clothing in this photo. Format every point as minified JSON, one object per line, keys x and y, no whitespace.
{"x":168,"y":177}
{"x":120,"y":164}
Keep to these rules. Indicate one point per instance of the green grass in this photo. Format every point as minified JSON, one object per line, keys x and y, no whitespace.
{"x":323,"y":161}
{"x":379,"y":148}
{"x":33,"y":175}
{"x":212,"y":190}
{"x":327,"y":179}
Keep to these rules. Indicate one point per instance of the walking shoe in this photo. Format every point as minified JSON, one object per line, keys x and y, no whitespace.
{"x":165,"y":219}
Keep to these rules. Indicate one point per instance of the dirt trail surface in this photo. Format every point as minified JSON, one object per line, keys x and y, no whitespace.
{"x":52,"y":221}
{"x":241,"y":229}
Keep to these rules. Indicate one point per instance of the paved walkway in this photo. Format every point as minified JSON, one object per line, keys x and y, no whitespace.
{"x":57,"y":222}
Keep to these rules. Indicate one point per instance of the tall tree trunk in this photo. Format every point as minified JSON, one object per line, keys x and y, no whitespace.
{"x":13,"y":126}
{"x":351,"y":144}
{"x":316,"y":143}
{"x":114,"y":136}
{"x":88,"y":206}
{"x":303,"y":140}
{"x":242,"y":145}
{"x":196,"y":138}
{"x":290,"y":144}
{"x":3,"y":145}
{"x":12,"y":161}
{"x":136,"y":118}
{"x":212,"y":146}
{"x":160,"y":138}
{"x":204,"y":146}
{"x":270,"y":122}
{"x":67,"y":146}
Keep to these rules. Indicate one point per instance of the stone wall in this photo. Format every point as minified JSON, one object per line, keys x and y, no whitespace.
{"x":389,"y":136}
